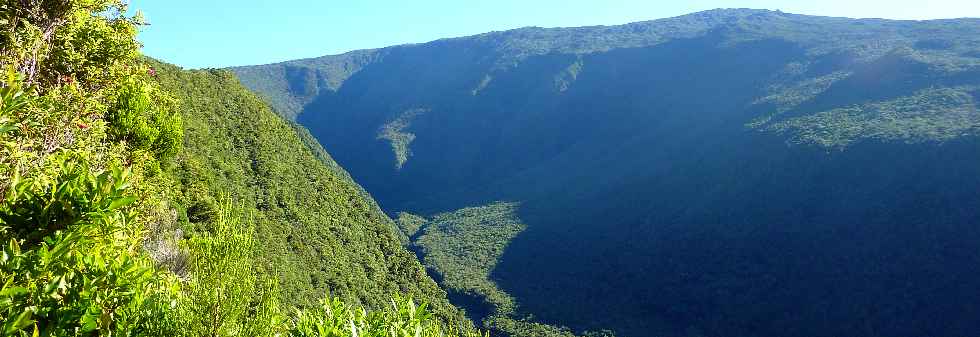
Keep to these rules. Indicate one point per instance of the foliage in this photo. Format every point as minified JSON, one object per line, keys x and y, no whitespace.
{"x":319,"y":231}
{"x":223,"y":285}
{"x":71,"y":263}
{"x":698,"y":175}
{"x":930,"y":115}
{"x":401,"y":318}
{"x":53,"y":42}
{"x":409,"y":225}
{"x":289,"y":87}
{"x":396,"y":132}
{"x":91,"y":151}
{"x":463,"y":247}
{"x":147,"y":118}
{"x":525,"y":327}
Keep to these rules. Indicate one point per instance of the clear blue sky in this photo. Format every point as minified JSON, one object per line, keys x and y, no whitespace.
{"x":220,"y":33}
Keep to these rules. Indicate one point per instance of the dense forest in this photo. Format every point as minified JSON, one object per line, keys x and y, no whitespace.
{"x":461,"y":249}
{"x":140,"y":199}
{"x":724,"y":173}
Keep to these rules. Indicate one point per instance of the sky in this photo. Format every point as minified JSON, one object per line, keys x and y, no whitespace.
{"x":222,"y":33}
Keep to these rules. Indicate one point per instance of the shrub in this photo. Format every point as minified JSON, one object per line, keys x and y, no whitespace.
{"x":403,"y":318}
{"x":146,"y":117}
{"x":71,"y":264}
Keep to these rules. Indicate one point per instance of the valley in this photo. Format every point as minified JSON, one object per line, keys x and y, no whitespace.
{"x":725,"y":173}
{"x":699,"y":175}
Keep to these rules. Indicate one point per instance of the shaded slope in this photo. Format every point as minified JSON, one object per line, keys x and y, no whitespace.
{"x":727,"y":173}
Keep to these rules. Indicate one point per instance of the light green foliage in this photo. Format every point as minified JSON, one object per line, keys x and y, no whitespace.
{"x":930,"y":115}
{"x":401,"y":318}
{"x":12,"y":99}
{"x":463,"y":247}
{"x":319,"y":233}
{"x":397,"y":134}
{"x":146,"y":117}
{"x":525,"y":327}
{"x":70,"y":217}
{"x":53,"y":42}
{"x":83,"y":134}
{"x":71,"y":263}
{"x":86,"y":274}
{"x":409,"y":225}
{"x":566,"y":78}
{"x":786,"y":96}
{"x":482,"y":85}
{"x":223,"y":278}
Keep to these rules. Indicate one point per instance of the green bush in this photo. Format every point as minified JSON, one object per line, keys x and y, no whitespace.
{"x":146,"y":117}
{"x":403,"y":318}
{"x":72,"y":263}
{"x":223,"y":286}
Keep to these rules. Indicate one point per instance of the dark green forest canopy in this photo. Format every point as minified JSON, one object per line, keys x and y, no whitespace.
{"x":699,"y":175}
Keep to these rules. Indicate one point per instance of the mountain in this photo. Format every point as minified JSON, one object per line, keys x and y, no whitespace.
{"x":726,"y":173}
{"x":320,"y":233}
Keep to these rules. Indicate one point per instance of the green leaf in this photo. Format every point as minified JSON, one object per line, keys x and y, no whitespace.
{"x":51,"y":289}
{"x":13,"y":291}
{"x":22,"y":321}
{"x":89,"y":322}
{"x":7,"y":128}
{"x":122,"y":202}
{"x":14,"y":247}
{"x":61,"y":248}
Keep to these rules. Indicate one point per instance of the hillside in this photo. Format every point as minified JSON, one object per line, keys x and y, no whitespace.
{"x":725,"y":173}
{"x":140,"y":199}
{"x":461,"y":249}
{"x":320,"y":233}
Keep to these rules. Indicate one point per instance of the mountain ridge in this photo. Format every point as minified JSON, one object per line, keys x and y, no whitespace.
{"x":326,"y":67}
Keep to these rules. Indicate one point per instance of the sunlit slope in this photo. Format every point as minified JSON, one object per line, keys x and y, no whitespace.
{"x":317,"y":231}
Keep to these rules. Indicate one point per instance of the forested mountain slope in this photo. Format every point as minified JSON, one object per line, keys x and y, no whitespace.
{"x":319,"y":233}
{"x":725,"y":173}
{"x":139,"y":199}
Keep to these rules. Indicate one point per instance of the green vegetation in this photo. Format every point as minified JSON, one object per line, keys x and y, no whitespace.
{"x":146,"y":118}
{"x":565,"y":79}
{"x":401,"y":318}
{"x":930,"y":115}
{"x":300,"y":82}
{"x":314,"y":222}
{"x":462,"y":248}
{"x":409,"y":225}
{"x":396,"y":132}
{"x":142,"y":200}
{"x":698,"y":175}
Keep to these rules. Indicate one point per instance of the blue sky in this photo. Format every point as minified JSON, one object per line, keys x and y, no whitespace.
{"x":220,"y":33}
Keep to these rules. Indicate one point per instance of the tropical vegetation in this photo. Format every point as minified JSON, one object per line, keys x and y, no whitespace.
{"x":131,"y":204}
